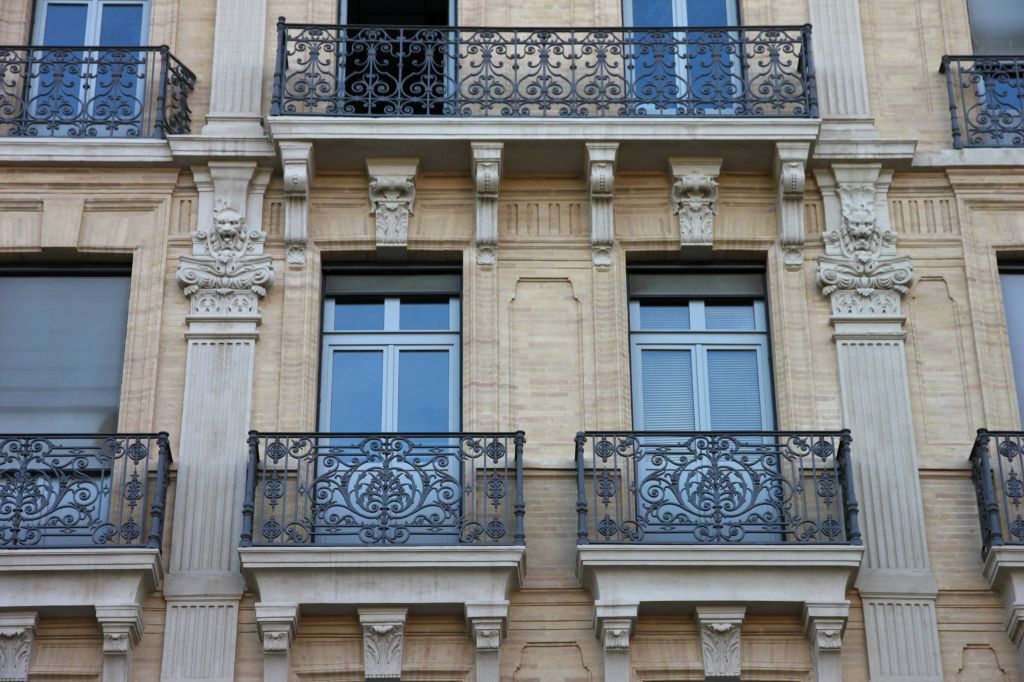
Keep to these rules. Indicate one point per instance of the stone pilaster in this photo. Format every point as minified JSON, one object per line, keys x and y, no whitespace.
{"x":864,"y":279}
{"x":236,"y":93}
{"x":719,"y":628}
{"x":695,"y":201}
{"x":122,"y":629}
{"x":790,"y":179}
{"x":487,"y":623}
{"x":392,"y":188}
{"x":383,"y":636}
{"x":17,"y":632}
{"x":276,"y":624}
{"x":613,"y":624}
{"x":223,"y":279}
{"x":839,"y":60}
{"x":824,"y":625}
{"x":487,"y":179}
{"x":297,"y":162}
{"x":600,"y":176}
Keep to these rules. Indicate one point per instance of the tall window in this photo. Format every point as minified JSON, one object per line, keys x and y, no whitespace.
{"x":61,"y":352}
{"x":1012,"y":283}
{"x":699,"y":353}
{"x":997,"y":26}
{"x":391,"y":354}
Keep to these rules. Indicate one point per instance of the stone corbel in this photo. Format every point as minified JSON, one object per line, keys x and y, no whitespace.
{"x":392,"y":194}
{"x":613,"y":624}
{"x":383,"y":635}
{"x":486,"y":178}
{"x":227,"y":273}
{"x":487,"y":627}
{"x":695,"y":201}
{"x":720,"y":641}
{"x":860,"y":273}
{"x":824,"y":624}
{"x":277,"y":624}
{"x":122,"y":630}
{"x":17,"y":632}
{"x":790,"y":159}
{"x":297,"y":161}
{"x":600,"y":175}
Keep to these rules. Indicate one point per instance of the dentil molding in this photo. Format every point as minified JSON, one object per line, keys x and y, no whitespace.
{"x":392,"y":189}
{"x":695,"y":199}
{"x":861,"y":273}
{"x":383,"y":634}
{"x":600,"y":175}
{"x":487,"y":179}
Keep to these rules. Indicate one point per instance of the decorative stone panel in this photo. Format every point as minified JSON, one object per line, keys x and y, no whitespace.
{"x":720,"y":641}
{"x":695,"y":200}
{"x":17,"y":630}
{"x":383,"y":634}
{"x":392,"y":189}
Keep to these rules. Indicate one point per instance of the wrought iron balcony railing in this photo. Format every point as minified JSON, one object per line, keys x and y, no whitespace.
{"x":997,"y":470}
{"x":986,"y":100}
{"x":679,"y":488}
{"x":93,"y":92}
{"x":384,"y":489}
{"x":83,"y":490}
{"x":728,"y":72}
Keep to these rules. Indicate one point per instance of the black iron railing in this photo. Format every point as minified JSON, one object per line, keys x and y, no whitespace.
{"x":83,"y":490}
{"x":997,"y":470}
{"x":93,"y":92}
{"x":384,"y":489}
{"x":986,"y":100}
{"x":715,"y":488}
{"x":728,"y":72}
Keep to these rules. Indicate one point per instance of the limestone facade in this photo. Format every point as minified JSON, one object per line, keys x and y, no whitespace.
{"x":881,"y":248}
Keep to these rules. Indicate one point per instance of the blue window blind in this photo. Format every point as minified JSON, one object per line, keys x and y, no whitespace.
{"x":664,"y":317}
{"x":1013,"y":303}
{"x":667,"y":377}
{"x":719,"y":317}
{"x":734,"y":391}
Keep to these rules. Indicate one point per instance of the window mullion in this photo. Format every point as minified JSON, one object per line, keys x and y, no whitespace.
{"x":702,"y":394}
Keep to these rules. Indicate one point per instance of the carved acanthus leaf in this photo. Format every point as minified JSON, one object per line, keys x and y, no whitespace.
{"x":695,"y":202}
{"x":720,"y":645}
{"x":15,"y":651}
{"x":391,"y":197}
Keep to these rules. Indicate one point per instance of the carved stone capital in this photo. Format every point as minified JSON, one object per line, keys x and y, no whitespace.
{"x":860,"y":273}
{"x":720,"y":641}
{"x":600,"y":177}
{"x":694,"y":199}
{"x":297,"y":162}
{"x":487,"y":633}
{"x":615,"y":634}
{"x":383,"y":634}
{"x":824,"y":624}
{"x":392,"y":190}
{"x":791,"y":181}
{"x":487,"y":180}
{"x":17,"y":632}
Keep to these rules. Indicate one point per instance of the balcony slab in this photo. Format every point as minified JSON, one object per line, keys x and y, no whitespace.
{"x":69,"y":150}
{"x":58,"y":579}
{"x":760,"y":577}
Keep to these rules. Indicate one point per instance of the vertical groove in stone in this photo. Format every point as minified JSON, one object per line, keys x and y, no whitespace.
{"x":207,"y":632}
{"x":238,"y":58}
{"x":839,"y":58}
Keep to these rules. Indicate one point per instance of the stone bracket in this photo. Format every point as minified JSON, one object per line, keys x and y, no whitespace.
{"x":299,"y":168}
{"x":791,"y":181}
{"x":824,"y":625}
{"x":487,"y":623}
{"x":486,"y":179}
{"x":392,"y":187}
{"x":277,"y":624}
{"x":383,"y":635}
{"x":719,"y":628}
{"x":600,"y":177}
{"x":122,"y":630}
{"x":694,"y":201}
{"x":17,"y":632}
{"x":613,"y":624}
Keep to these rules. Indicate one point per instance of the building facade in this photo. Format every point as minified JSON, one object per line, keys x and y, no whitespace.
{"x":520,"y":341}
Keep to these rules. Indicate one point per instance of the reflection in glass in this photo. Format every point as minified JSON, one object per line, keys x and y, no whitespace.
{"x":358,"y":316}
{"x":423,"y":392}
{"x":424,"y":315}
{"x":357,"y":391}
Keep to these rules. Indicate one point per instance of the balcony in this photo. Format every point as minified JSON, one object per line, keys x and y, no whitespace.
{"x":81,"y":518}
{"x":349,"y":519}
{"x":88,"y":93}
{"x":986,"y":100}
{"x":752,"y":518}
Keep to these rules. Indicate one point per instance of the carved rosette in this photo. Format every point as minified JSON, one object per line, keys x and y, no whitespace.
{"x":15,"y":652}
{"x":227,"y":273}
{"x":694,"y":199}
{"x":383,"y":634}
{"x":860,"y":272}
{"x":487,"y":179}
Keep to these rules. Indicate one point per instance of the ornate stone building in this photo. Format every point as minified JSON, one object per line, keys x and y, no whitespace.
{"x":427,"y":340}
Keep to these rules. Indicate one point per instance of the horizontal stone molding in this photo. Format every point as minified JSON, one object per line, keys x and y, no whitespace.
{"x":65,"y":150}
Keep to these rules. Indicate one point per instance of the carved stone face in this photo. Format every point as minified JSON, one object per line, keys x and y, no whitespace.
{"x":228,"y":223}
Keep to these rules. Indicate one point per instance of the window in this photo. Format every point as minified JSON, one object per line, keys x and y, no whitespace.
{"x":61,"y":352}
{"x":699,"y":353}
{"x":997,"y":27}
{"x":1012,"y":283}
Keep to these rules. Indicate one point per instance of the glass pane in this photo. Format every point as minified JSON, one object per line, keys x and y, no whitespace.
{"x":61,"y":353}
{"x":65,"y":24}
{"x":719,"y":317}
{"x":652,"y":13}
{"x":664,"y":317}
{"x":424,"y":393}
{"x":708,"y":12}
{"x":357,"y":391}
{"x":997,"y":26}
{"x":734,"y":390}
{"x":667,"y":377}
{"x":350,"y":317}
{"x":1013,"y":302}
{"x":424,"y":315}
{"x":121,"y":25}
